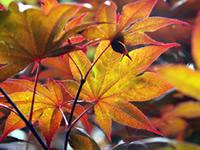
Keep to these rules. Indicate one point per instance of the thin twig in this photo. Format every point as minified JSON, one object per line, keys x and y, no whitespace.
{"x":28,"y":124}
{"x":80,"y":116}
{"x":64,"y":117}
{"x":82,"y":82}
{"x":8,"y":108}
{"x":72,"y":112}
{"x":86,"y":75}
{"x":34,"y":92}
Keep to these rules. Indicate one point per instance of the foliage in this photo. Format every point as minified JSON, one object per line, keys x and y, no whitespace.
{"x":111,"y":89}
{"x":49,"y":83}
{"x":191,"y":85}
{"x":50,"y":102}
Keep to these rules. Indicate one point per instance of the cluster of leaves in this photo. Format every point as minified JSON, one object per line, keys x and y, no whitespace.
{"x":187,"y":83}
{"x":52,"y":41}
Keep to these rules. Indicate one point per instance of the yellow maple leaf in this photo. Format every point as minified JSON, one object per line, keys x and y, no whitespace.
{"x":50,"y":103}
{"x":129,"y":27}
{"x":29,"y":36}
{"x":113,"y":83}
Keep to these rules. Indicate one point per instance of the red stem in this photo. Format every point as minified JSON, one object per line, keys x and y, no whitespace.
{"x":79,"y":117}
{"x":82,"y":82}
{"x":8,"y":108}
{"x":34,"y":92}
{"x":86,"y":75}
{"x":76,"y":66}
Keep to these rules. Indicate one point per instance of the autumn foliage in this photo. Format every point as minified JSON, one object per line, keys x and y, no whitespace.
{"x":49,"y":83}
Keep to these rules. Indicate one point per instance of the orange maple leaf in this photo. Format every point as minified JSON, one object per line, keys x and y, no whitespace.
{"x":113,"y":83}
{"x":173,"y":120}
{"x":50,"y":103}
{"x":56,"y":67}
{"x":32,"y":35}
{"x":47,"y":5}
{"x":129,"y":27}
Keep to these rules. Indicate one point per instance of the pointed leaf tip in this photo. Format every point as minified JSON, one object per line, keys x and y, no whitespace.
{"x":180,"y":22}
{"x":47,"y":5}
{"x":132,"y":11}
{"x":170,"y":45}
{"x":156,"y":131}
{"x":109,"y":137}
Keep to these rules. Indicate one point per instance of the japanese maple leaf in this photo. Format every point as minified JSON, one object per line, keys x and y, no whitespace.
{"x":183,"y":78}
{"x":47,"y":5}
{"x":56,"y":67}
{"x":113,"y":83}
{"x":50,"y":102}
{"x":129,"y":27}
{"x":34,"y":34}
{"x":173,"y":118}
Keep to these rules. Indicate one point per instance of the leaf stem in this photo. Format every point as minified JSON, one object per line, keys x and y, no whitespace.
{"x":82,"y":82}
{"x":8,"y":108}
{"x":86,"y":75}
{"x":28,"y":124}
{"x":64,"y":117}
{"x":34,"y":91}
{"x":72,"y":113}
{"x":80,"y":116}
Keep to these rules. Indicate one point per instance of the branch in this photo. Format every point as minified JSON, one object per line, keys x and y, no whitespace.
{"x":28,"y":124}
{"x":82,"y":82}
{"x":80,"y":116}
{"x":72,"y":112}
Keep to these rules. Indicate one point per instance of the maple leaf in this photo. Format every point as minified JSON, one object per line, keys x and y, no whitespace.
{"x":169,"y":123}
{"x":113,"y":83}
{"x":47,"y":5}
{"x":187,"y":110}
{"x":187,"y":80}
{"x":56,"y":67}
{"x":34,"y":34}
{"x":50,"y":102}
{"x":129,"y":27}
{"x":173,"y":118}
